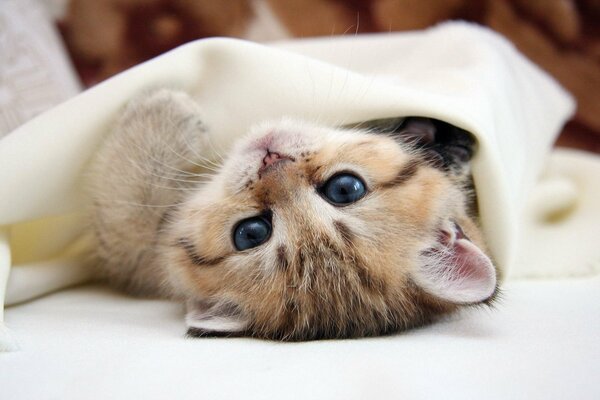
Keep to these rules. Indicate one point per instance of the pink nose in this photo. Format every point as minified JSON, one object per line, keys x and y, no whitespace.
{"x":271,"y":158}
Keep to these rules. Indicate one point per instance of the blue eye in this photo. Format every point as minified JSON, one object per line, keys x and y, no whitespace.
{"x":344,"y":189}
{"x":251,"y":232}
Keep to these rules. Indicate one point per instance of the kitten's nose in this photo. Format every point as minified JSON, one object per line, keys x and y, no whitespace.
{"x":272,"y":159}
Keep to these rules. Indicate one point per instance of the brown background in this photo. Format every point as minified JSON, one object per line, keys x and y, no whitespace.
{"x":562,"y":36}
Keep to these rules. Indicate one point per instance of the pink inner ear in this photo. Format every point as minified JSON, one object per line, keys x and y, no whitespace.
{"x":459,"y":272}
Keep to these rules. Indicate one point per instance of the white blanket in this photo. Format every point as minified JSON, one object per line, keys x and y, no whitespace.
{"x":92,"y":343}
{"x":460,"y":73}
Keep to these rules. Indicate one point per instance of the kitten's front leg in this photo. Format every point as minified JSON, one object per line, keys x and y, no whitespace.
{"x":142,"y":171}
{"x":166,"y":126}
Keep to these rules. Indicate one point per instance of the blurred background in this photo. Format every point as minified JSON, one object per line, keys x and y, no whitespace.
{"x":52,"y":49}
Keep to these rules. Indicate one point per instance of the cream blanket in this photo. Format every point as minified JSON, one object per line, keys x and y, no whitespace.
{"x":456,"y":72}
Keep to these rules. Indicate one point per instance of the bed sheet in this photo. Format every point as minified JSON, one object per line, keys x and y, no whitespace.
{"x":541,"y":341}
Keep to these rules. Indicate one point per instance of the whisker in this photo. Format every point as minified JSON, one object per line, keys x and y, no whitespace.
{"x":151,"y":157}
{"x":196,"y":154}
{"x":131,"y":203}
{"x":215,"y":151}
{"x":202,"y":158}
{"x":150,"y":172}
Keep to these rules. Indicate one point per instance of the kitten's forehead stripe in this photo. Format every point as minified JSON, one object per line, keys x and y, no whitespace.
{"x":193,"y":255}
{"x":408,"y":171}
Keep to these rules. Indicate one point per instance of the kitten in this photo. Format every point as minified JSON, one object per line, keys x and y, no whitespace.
{"x":305,"y":232}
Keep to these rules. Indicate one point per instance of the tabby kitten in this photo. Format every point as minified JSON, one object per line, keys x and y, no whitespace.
{"x":304,"y":232}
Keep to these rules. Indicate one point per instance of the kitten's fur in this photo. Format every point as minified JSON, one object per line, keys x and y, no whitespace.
{"x":395,"y":259}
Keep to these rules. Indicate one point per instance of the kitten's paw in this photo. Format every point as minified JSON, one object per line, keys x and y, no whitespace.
{"x":167,"y":121}
{"x":165,"y":101}
{"x":173,"y":107}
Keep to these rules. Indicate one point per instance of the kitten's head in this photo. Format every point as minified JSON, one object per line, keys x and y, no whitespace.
{"x":309,"y":232}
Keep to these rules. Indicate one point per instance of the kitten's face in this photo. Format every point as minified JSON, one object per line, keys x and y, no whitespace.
{"x":309,"y":232}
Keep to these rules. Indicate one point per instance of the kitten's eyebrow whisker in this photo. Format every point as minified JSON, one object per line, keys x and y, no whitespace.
{"x":408,"y":171}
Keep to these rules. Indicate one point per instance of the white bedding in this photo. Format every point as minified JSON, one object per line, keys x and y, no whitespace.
{"x":542,"y":341}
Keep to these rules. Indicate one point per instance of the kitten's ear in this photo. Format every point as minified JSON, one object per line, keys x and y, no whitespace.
{"x":458,"y":272}
{"x":443,"y":144}
{"x":417,"y":131}
{"x":214,"y":319}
